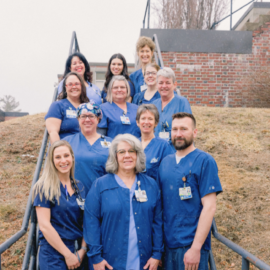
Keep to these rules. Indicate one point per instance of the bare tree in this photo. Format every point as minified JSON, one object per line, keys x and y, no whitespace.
{"x":189,"y":14}
{"x":9,"y":104}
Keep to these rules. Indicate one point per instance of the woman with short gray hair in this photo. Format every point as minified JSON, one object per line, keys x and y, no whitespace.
{"x":123,"y":217}
{"x":169,"y":102}
{"x":155,"y":148}
{"x":119,"y":116}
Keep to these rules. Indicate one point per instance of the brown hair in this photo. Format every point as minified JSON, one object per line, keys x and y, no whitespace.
{"x":143,"y":41}
{"x":153,"y":65}
{"x":83,"y":96}
{"x":181,"y":115}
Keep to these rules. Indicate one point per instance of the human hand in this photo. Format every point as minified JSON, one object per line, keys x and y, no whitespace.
{"x":192,"y":259}
{"x":81,"y":254}
{"x":152,"y":264}
{"x":102,"y":265}
{"x":72,"y":261}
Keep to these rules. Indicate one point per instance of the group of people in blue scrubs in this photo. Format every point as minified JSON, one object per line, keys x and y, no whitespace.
{"x":124,"y":182}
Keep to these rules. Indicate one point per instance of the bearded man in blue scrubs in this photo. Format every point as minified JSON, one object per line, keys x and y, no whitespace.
{"x":189,"y":184}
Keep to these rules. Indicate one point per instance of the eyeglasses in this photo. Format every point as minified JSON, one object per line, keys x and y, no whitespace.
{"x":84,"y":117}
{"x":122,"y":152}
{"x":150,"y":73}
{"x":73,"y":84}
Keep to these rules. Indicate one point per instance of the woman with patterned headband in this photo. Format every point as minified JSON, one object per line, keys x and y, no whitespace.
{"x":91,"y":149}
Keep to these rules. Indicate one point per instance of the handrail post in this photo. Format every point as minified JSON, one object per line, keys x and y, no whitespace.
{"x":245,"y":264}
{"x":148,"y":14}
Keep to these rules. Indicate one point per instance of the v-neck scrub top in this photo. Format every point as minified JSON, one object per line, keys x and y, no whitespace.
{"x":107,"y":221}
{"x":139,"y":98}
{"x":137,"y":79}
{"x":90,"y":160}
{"x":92,"y":92}
{"x":67,"y":217}
{"x":155,"y":152}
{"x":177,"y":104}
{"x":66,"y":112}
{"x":112,"y":121}
{"x":181,"y":217}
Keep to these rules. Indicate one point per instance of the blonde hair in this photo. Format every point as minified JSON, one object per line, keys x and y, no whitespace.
{"x":113,"y":80}
{"x":145,"y":41}
{"x":49,"y":184}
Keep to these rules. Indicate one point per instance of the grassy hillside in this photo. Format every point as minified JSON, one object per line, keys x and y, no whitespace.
{"x":239,"y":140}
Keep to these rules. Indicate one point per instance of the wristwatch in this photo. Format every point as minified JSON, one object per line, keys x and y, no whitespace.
{"x":84,"y":248}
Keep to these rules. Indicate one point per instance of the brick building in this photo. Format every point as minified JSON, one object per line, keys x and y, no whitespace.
{"x":212,"y":66}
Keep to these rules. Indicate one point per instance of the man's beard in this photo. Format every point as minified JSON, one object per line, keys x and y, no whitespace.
{"x":185,"y":143}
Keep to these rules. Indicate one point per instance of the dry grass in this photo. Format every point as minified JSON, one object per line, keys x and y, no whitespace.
{"x":239,"y":140}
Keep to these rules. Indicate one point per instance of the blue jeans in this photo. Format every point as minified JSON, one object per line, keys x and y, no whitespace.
{"x":174,"y":258}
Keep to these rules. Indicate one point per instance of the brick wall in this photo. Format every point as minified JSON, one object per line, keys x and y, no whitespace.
{"x":218,"y":79}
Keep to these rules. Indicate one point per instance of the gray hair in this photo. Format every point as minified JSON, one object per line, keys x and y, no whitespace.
{"x":167,"y":73}
{"x":113,"y":80}
{"x":112,"y":164}
{"x":148,"y":107}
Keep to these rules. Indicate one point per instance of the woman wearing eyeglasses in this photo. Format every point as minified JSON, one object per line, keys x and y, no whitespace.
{"x":61,"y":119}
{"x":151,"y":93}
{"x":123,"y":216}
{"x":78,"y":63}
{"x":59,"y":202}
{"x":91,"y":149}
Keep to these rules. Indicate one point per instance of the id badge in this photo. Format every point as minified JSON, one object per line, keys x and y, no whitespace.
{"x":185,"y":193}
{"x":141,"y":195}
{"x":105,"y":144}
{"x":143,"y":87}
{"x":164,"y":135}
{"x":80,"y":203}
{"x":71,"y":114}
{"x":125,"y":120}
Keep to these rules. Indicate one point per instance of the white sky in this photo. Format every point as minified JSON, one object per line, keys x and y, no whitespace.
{"x":35,"y":38}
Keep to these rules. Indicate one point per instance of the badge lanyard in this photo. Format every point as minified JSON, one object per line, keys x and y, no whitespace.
{"x":185,"y":192}
{"x":125,"y":119}
{"x":79,"y":199}
{"x":104,"y":143}
{"x":163,"y":134}
{"x":140,"y":194}
{"x":66,"y":192}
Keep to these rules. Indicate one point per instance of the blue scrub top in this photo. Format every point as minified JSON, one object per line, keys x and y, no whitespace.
{"x":137,"y":79}
{"x":112,"y":121}
{"x":133,"y":258}
{"x":92,"y":92}
{"x":132,"y":92}
{"x":107,"y":218}
{"x":62,"y":110}
{"x":155,"y":152}
{"x":181,"y":217}
{"x":139,"y":98}
{"x":90,"y":160}
{"x":66,"y":217}
{"x":177,"y":104}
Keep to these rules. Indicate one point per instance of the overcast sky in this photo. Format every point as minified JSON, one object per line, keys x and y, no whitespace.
{"x":35,"y":38}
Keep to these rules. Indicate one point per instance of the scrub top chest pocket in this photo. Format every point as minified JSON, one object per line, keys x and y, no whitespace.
{"x":186,"y":188}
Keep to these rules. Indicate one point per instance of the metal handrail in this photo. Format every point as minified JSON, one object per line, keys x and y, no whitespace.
{"x":230,"y":15}
{"x":147,"y":9}
{"x":247,"y":257}
{"x":30,"y":211}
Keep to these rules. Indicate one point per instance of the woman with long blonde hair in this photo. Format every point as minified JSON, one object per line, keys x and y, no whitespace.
{"x":59,"y":202}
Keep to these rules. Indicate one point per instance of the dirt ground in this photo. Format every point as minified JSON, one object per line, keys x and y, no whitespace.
{"x":238,"y":139}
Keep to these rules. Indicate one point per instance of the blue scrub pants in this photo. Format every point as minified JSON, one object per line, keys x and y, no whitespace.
{"x":51,"y":259}
{"x":174,"y":258}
